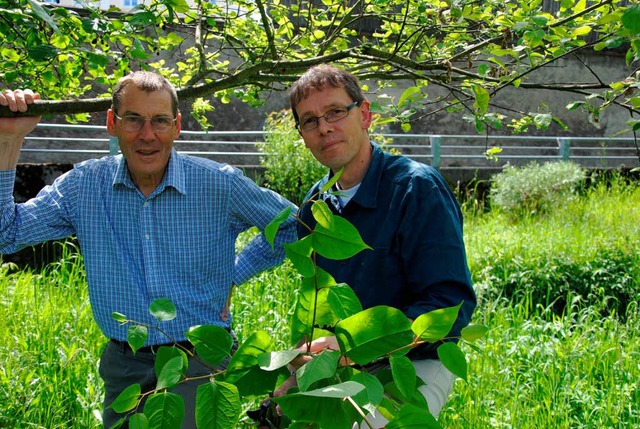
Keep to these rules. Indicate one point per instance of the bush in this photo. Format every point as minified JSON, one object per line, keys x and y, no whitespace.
{"x":290,"y":168}
{"x":607,"y":283}
{"x":534,"y":189}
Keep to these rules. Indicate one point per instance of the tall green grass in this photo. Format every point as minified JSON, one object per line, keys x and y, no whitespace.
{"x":540,"y":370}
{"x":49,"y":348}
{"x":586,"y":248}
{"x":542,"y":365}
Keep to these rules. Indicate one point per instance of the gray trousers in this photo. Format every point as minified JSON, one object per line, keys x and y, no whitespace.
{"x":120,"y":368}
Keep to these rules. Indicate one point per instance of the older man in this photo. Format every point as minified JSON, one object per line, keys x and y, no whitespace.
{"x":151,"y":223}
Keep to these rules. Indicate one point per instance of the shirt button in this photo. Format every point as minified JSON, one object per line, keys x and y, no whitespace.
{"x":146,"y":236}
{"x":146,"y":203}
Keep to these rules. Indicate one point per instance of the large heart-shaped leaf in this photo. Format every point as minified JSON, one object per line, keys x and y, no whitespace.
{"x":373,"y":333}
{"x":340,"y":242}
{"x":436,"y":324}
{"x":218,"y":405}
{"x":164,"y":410}
{"x":212,"y":343}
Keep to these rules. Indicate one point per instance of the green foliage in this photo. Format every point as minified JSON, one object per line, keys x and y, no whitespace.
{"x":290,"y":168}
{"x":542,"y":370}
{"x":584,"y":249}
{"x":245,"y":49}
{"x":534,"y":189}
{"x":49,"y":347}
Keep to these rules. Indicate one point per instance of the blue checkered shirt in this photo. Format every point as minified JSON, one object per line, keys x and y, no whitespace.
{"x":178,"y":243}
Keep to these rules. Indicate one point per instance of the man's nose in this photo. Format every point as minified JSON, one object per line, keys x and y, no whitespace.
{"x":324,"y":126}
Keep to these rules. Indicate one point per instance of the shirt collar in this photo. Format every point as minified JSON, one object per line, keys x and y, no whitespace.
{"x":174,"y":176}
{"x":367,"y":194}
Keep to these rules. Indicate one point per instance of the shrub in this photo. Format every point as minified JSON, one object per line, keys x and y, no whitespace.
{"x":608,"y":283}
{"x":534,"y":189}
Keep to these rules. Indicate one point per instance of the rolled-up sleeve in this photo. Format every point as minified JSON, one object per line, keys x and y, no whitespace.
{"x":40,"y":219}
{"x":253,"y":205}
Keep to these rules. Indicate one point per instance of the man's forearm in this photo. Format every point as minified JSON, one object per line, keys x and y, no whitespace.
{"x":9,"y":154}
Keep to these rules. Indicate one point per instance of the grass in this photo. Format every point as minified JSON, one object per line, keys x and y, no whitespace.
{"x":540,"y":366}
{"x":540,"y":370}
{"x":49,"y":348}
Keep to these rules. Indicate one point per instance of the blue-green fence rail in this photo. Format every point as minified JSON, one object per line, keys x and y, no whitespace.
{"x":55,"y":143}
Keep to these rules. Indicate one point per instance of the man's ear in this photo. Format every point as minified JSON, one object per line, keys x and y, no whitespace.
{"x":366,"y":114}
{"x":178,"y":125}
{"x":111,"y":122}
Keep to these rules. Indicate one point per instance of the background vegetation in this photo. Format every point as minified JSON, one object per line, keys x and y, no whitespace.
{"x":559,"y":292}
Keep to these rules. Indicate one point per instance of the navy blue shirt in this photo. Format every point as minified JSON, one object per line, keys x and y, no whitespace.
{"x":407,"y":213}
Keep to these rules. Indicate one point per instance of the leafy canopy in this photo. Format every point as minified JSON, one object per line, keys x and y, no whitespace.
{"x":245,"y":49}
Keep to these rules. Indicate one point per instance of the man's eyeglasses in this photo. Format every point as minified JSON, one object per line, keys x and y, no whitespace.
{"x":134,"y":123}
{"x":333,"y":115}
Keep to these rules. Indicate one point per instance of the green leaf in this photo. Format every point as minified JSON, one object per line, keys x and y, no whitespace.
{"x":374,"y":332}
{"x":411,"y":416}
{"x":165,"y":354}
{"x":631,"y":19}
{"x":138,"y":421}
{"x":218,"y":405}
{"x":42,"y":13}
{"x":311,"y":310}
{"x":581,"y":31}
{"x":408,"y":95}
{"x":574,"y":105}
{"x":179,"y":6}
{"x":325,"y":406}
{"x":127,"y":399}
{"x":164,"y":410}
{"x":119,"y":317}
{"x":436,"y":324}
{"x":212,"y":343}
{"x":136,"y":336}
{"x":171,"y":374}
{"x":299,"y":253}
{"x":142,"y":18}
{"x":42,"y":52}
{"x":321,"y":367}
{"x":372,"y":394}
{"x":271,"y":229}
{"x":404,"y":375}
{"x":163,"y":309}
{"x":542,"y":120}
{"x":453,"y":359}
{"x":343,"y":301}
{"x":473,"y":332}
{"x":276,"y":360}
{"x":333,"y":180}
{"x":341,"y":242}
{"x":323,"y":214}
{"x":244,"y":370}
{"x":482,"y":98}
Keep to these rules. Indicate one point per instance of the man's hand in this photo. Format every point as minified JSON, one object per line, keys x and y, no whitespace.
{"x":14,"y":130}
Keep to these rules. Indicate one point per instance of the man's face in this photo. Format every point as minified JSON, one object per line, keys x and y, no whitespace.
{"x":147,"y":151}
{"x":335,"y":144}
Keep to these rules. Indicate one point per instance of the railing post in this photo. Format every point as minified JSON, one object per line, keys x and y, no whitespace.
{"x":564,"y":145}
{"x":114,"y":147}
{"x":435,"y":151}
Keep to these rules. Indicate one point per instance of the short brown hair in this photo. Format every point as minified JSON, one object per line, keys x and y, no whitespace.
{"x":321,"y":77}
{"x":145,"y":81}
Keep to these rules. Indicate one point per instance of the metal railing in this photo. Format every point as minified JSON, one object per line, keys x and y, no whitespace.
{"x":55,"y":143}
